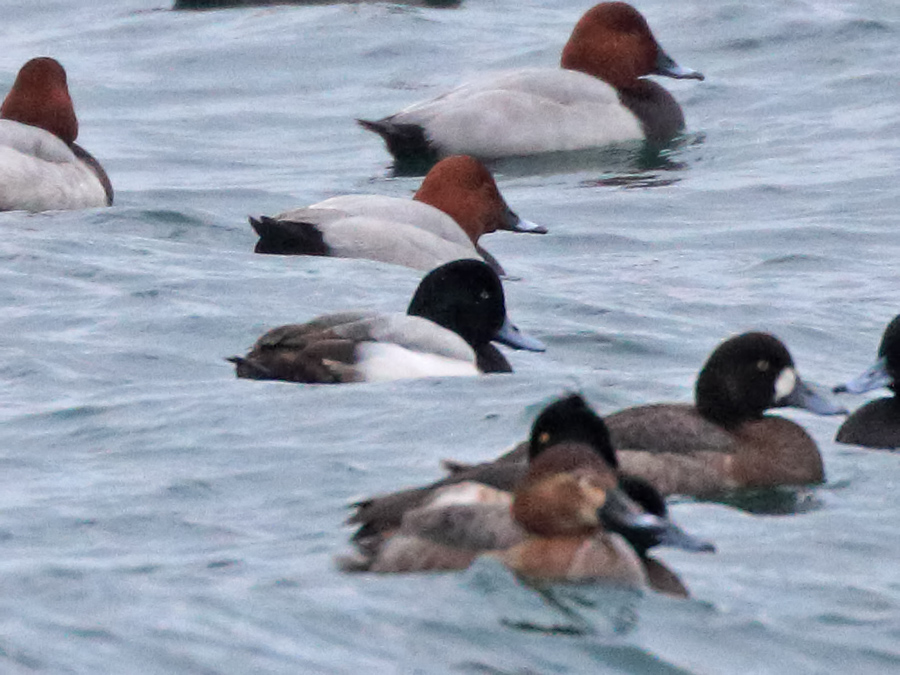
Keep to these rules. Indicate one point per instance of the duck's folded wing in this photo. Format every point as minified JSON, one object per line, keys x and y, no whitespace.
{"x":382,"y":514}
{"x":670,"y":428}
{"x":407,"y":211}
{"x":447,"y":533}
{"x":313,"y":352}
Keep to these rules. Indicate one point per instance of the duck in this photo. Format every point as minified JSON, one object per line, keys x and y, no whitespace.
{"x":42,"y":168}
{"x":724,"y":441}
{"x":565,"y":515}
{"x":457,"y":310}
{"x":456,"y":204}
{"x":877,"y":423}
{"x":596,"y":98}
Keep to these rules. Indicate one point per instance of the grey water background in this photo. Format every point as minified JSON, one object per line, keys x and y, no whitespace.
{"x":159,"y":516}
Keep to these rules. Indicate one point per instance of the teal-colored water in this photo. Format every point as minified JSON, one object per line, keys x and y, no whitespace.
{"x":158,"y":516}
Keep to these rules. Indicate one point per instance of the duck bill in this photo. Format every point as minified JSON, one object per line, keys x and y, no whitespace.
{"x":514,"y":223}
{"x":645,"y":530}
{"x":674,"y":537}
{"x":665,"y":65}
{"x":511,"y":336}
{"x":812,"y":397}
{"x":875,"y":377}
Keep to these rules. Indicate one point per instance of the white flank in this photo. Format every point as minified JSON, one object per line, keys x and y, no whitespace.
{"x":381,"y":362}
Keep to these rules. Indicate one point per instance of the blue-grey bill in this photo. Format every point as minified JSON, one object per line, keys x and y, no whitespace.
{"x":814,"y":398}
{"x":527,"y":226}
{"x":674,"y":537}
{"x":512,"y":222}
{"x":511,"y":336}
{"x":665,"y":65}
{"x":875,"y":377}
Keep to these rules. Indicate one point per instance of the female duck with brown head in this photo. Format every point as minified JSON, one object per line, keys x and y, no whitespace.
{"x":42,"y":168}
{"x":457,"y":203}
{"x":596,"y":98}
{"x":877,"y":423}
{"x":569,"y":518}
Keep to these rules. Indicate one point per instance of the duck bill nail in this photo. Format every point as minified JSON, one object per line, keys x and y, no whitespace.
{"x":674,"y":537}
{"x":511,"y":336}
{"x":811,"y":397}
{"x":875,"y":377}
{"x":516,"y":224}
{"x":665,"y":65}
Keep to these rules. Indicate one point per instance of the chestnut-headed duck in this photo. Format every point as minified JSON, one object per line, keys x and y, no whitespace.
{"x":455,"y":313}
{"x":571,"y":517}
{"x":597,"y":97}
{"x":877,"y":423}
{"x":457,"y":203}
{"x":42,"y":168}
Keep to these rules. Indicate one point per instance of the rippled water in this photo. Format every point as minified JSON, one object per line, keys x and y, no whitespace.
{"x":158,"y":516}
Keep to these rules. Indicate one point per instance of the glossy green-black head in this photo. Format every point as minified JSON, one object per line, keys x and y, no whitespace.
{"x":571,"y":420}
{"x":466,"y":296}
{"x":748,"y":374}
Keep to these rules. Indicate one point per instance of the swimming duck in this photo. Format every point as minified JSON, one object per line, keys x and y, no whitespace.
{"x":570,"y":517}
{"x":597,"y":97}
{"x":457,"y":203}
{"x":725,"y":440}
{"x":42,"y":168}
{"x":877,"y":423}
{"x":455,"y":313}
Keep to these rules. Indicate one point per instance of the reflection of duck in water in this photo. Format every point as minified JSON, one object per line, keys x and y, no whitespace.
{"x":567,"y":520}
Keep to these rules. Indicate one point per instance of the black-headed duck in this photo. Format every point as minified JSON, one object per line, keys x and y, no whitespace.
{"x":725,"y":441}
{"x":457,"y":203}
{"x":455,"y":313}
{"x":877,"y":423}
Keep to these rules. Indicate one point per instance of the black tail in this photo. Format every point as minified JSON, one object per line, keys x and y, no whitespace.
{"x":406,"y":142}
{"x":285,"y":237}
{"x":248,"y":369}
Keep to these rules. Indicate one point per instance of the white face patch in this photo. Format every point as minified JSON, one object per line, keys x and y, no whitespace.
{"x":785,"y":383}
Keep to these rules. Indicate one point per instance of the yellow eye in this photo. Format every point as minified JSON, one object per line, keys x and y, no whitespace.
{"x":762,"y":365}
{"x":544,"y":437}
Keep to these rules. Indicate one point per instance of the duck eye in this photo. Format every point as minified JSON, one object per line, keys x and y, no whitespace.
{"x":762,"y":365}
{"x":544,"y":437}
{"x":485,"y":295}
